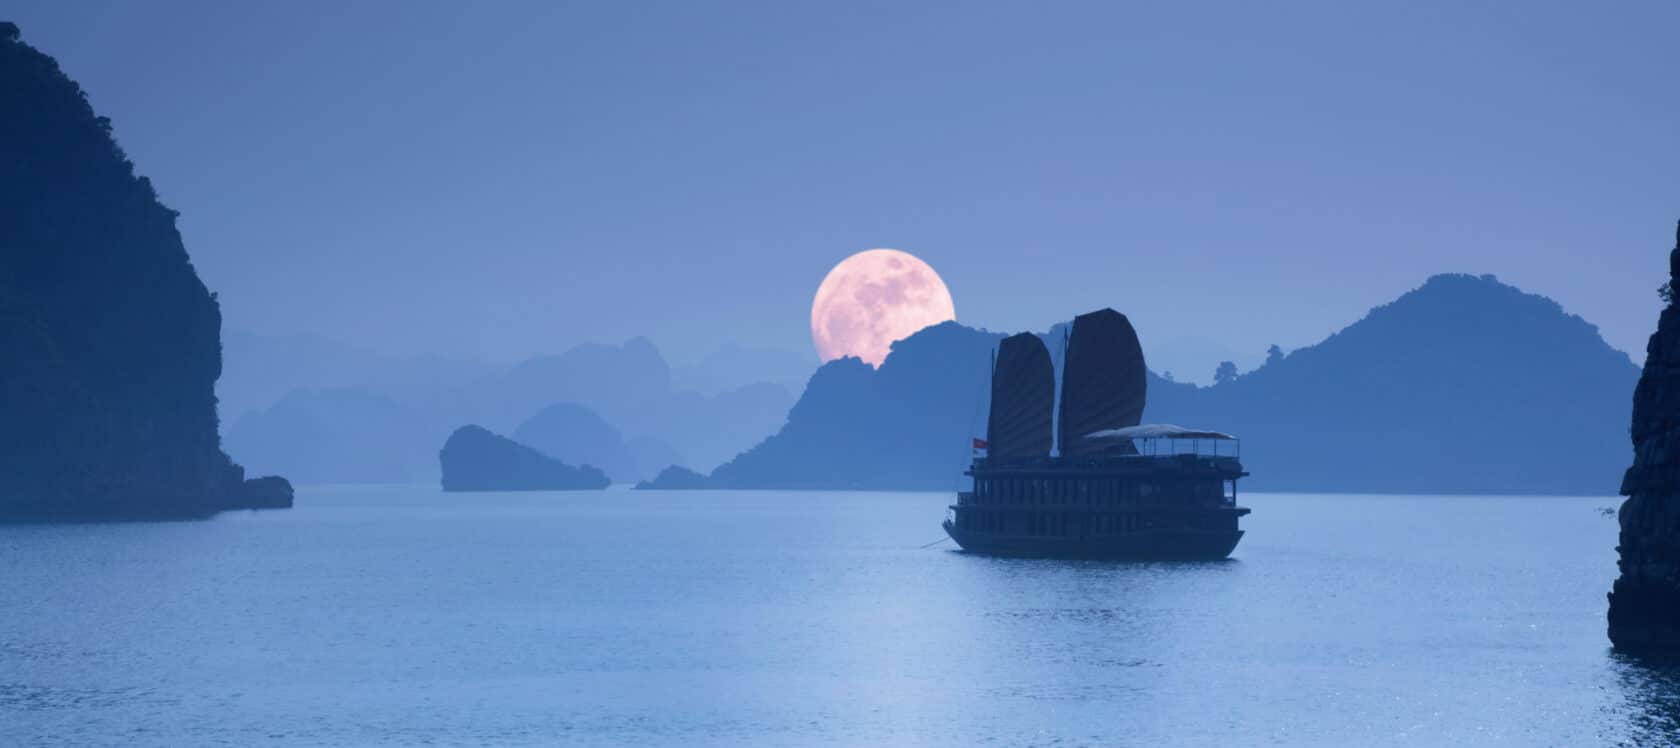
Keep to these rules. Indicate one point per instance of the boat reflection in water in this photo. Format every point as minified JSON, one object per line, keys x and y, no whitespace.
{"x":1114,"y":489}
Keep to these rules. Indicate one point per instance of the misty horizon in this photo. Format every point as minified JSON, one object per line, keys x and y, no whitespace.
{"x":1215,"y":157}
{"x":408,"y":372}
{"x":1190,"y":358}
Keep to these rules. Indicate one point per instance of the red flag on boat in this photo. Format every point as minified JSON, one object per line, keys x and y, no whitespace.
{"x":979,"y":443}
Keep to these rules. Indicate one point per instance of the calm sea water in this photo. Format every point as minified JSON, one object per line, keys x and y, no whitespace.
{"x":402,"y":616}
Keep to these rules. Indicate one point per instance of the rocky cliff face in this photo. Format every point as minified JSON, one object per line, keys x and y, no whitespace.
{"x":904,"y":426}
{"x":109,"y":343}
{"x":1645,"y":601}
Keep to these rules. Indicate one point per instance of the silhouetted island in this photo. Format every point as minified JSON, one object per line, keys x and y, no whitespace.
{"x":675,"y":477}
{"x":1645,"y":601}
{"x":1463,"y":385}
{"x":905,"y":425}
{"x":109,"y":342}
{"x":474,"y":459}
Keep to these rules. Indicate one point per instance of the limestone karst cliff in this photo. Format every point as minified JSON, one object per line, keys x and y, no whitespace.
{"x":475,"y":459}
{"x":109,"y":342}
{"x":1645,"y":600}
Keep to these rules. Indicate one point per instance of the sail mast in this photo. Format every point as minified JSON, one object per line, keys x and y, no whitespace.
{"x":1103,"y":382}
{"x":1019,"y":425}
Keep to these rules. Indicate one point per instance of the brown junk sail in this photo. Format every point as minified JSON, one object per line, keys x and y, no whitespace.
{"x":1103,"y":382}
{"x":1023,"y":396}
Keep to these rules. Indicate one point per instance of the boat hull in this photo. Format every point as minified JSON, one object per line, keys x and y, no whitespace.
{"x":1142,"y":545}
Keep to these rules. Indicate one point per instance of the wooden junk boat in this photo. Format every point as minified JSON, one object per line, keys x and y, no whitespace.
{"x":1114,"y":489}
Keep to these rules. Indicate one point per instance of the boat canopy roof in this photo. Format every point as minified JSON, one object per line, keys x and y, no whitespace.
{"x":1157,"y":431}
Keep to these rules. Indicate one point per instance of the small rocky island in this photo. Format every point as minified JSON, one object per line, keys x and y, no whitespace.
{"x":474,"y":459}
{"x":675,"y":478}
{"x":110,"y":345}
{"x":1645,"y":601}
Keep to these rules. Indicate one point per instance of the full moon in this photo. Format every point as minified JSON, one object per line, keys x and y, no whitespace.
{"x":873,"y":298}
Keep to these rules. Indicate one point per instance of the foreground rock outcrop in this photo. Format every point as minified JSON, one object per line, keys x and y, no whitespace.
{"x":474,"y":459}
{"x":109,"y":343}
{"x":1645,"y":601}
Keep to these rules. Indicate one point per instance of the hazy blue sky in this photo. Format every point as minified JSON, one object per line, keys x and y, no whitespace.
{"x":508,"y":178}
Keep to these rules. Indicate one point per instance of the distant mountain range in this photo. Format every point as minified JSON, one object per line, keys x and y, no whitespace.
{"x":261,"y":370}
{"x":341,"y":435}
{"x":733,"y":366}
{"x":362,"y":418}
{"x":1462,"y":385}
{"x":586,"y":438}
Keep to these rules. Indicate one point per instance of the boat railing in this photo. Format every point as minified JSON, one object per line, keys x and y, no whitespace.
{"x":1183,"y":463}
{"x":1227,"y":496}
{"x":1217,"y":453}
{"x":1163,"y":446}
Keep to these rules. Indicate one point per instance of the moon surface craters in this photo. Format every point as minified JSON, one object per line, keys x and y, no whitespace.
{"x":873,"y":298}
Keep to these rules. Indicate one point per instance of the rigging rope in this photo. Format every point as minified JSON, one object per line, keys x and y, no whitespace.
{"x":981,"y":400}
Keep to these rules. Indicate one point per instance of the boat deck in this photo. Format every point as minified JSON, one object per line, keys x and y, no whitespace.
{"x":1161,"y":544}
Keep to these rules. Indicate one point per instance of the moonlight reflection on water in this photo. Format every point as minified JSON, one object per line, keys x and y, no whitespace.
{"x":395,"y":616}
